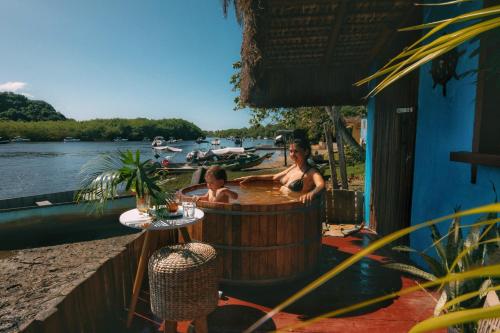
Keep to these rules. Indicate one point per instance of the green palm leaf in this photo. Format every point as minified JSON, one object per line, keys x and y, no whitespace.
{"x":411,"y":270}
{"x":107,"y":175}
{"x":455,"y":318}
{"x":415,"y":57}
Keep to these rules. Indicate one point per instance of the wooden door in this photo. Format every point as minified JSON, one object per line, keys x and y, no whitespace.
{"x":393,"y":155}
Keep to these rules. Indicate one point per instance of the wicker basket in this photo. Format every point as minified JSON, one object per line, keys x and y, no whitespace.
{"x":183,"y":281}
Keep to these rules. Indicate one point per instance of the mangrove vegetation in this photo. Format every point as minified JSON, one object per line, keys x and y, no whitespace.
{"x":101,"y":129}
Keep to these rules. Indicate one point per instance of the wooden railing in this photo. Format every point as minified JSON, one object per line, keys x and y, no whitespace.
{"x":344,"y":206}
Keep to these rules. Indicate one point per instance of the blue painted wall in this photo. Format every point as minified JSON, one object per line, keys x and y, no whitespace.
{"x":445,"y":124}
{"x":368,"y":159}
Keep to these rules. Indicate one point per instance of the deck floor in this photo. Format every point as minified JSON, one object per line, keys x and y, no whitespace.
{"x":242,"y":306}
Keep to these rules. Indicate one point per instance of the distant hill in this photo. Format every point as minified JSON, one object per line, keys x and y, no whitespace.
{"x":19,"y":108}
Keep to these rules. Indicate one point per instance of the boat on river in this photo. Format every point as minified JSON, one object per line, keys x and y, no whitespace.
{"x":70,"y":139}
{"x":215,"y":142}
{"x":159,"y":141}
{"x":119,"y":139}
{"x":3,"y":141}
{"x":246,"y":163}
{"x":167,"y":149}
{"x":19,"y":139}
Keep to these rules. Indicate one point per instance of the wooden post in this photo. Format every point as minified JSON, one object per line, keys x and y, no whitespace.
{"x":340,"y":146}
{"x":331,"y":156}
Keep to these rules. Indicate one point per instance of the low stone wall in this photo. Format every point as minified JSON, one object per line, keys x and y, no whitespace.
{"x":79,"y":287}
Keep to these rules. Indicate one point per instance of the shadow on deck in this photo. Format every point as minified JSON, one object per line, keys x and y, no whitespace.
{"x":242,"y":306}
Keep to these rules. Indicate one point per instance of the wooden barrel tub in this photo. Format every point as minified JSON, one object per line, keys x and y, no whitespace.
{"x":261,"y":244}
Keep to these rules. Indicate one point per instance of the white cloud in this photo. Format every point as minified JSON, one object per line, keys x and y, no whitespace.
{"x":12,"y":86}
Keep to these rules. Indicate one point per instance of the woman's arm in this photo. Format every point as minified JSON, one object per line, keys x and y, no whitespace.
{"x":274,"y":177}
{"x":319,"y":185}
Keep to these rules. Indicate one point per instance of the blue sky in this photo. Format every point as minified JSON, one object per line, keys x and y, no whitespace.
{"x":123,"y":58}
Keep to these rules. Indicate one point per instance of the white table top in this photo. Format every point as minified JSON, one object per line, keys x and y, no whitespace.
{"x":133,"y":219}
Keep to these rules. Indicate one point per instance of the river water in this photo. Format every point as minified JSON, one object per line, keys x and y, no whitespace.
{"x":46,"y":167}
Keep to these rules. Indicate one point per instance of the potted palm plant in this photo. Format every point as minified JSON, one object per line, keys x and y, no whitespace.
{"x":108,"y":175}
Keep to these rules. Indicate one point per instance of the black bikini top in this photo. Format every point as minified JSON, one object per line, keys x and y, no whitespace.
{"x":298,"y":184}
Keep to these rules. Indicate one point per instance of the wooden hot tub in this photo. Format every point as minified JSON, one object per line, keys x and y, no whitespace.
{"x":264,"y":243}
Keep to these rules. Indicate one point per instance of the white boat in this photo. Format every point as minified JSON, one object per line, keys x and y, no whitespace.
{"x":215,"y":142}
{"x":168,"y":148}
{"x":159,"y":141}
{"x":19,"y":139}
{"x":70,"y":139}
{"x":118,"y":139}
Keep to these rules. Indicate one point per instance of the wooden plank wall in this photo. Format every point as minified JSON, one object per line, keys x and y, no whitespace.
{"x":98,"y":302}
{"x":344,"y":206}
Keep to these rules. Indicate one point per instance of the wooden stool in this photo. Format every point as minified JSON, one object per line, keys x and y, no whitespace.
{"x":183,"y":284}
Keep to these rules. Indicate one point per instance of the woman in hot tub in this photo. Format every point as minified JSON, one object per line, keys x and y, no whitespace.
{"x":300,"y":178}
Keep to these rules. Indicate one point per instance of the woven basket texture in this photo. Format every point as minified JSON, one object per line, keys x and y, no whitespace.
{"x":183,"y":281}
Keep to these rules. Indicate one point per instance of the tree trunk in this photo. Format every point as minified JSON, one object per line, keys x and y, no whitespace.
{"x":344,"y":132}
{"x":331,"y":156}
{"x":335,"y":114}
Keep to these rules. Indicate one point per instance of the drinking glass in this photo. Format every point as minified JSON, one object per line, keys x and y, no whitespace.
{"x":142,"y":204}
{"x":189,"y":208}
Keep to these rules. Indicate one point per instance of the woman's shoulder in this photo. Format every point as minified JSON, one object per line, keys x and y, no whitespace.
{"x":313,"y":170}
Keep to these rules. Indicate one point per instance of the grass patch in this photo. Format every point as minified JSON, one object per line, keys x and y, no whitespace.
{"x":356,"y":170}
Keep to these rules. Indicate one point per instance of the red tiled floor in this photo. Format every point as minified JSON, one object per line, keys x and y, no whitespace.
{"x":242,"y":306}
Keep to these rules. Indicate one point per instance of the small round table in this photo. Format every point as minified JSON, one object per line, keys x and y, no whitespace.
{"x":134,"y":219}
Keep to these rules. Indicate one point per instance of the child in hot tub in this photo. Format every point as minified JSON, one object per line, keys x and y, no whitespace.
{"x":216,"y":178}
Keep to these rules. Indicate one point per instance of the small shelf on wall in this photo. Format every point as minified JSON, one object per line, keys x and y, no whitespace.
{"x":475,"y":159}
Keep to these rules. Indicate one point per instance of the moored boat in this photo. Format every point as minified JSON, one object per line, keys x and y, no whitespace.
{"x":248,"y":162}
{"x":159,"y":141}
{"x":3,"y":141}
{"x":70,"y":139}
{"x":19,"y":139}
{"x":168,"y":149}
{"x":215,"y":142}
{"x":119,"y":139}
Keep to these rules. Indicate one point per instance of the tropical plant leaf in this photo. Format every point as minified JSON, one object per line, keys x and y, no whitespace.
{"x":417,"y":57}
{"x":403,"y":248}
{"x":453,"y":2}
{"x":103,"y":176}
{"x":402,"y":71}
{"x":369,"y":249}
{"x":440,"y":25}
{"x":455,"y":318}
{"x":454,"y":242}
{"x":440,"y":250}
{"x":440,"y":304}
{"x":493,"y":270}
{"x":411,"y":270}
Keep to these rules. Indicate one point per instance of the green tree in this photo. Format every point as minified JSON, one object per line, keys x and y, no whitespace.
{"x":19,"y":108}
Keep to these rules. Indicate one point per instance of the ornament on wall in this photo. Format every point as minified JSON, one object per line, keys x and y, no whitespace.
{"x":444,"y":68}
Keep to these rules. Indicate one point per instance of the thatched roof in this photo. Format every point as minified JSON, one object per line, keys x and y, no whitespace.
{"x":309,"y":52}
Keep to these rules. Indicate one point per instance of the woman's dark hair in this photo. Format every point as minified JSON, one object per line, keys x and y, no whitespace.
{"x":300,"y":140}
{"x":218,"y":172}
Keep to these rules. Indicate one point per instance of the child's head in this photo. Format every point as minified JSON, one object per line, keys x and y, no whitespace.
{"x":215,"y":177}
